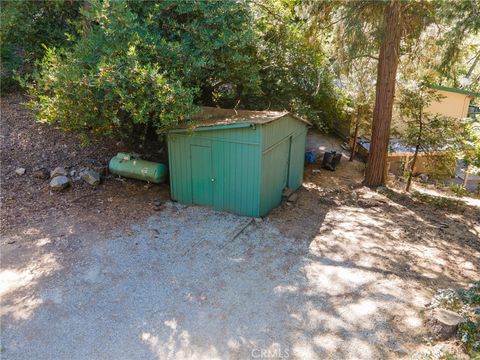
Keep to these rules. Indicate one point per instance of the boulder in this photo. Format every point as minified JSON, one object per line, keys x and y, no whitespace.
{"x":20,"y":171}
{"x":59,"y":183}
{"x":90,"y":176}
{"x":443,"y":324}
{"x":58,"y":171}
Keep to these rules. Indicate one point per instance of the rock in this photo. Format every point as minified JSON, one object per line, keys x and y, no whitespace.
{"x":293,"y":197}
{"x":258,"y":220}
{"x":59,"y":183}
{"x":41,"y":173}
{"x":443,"y":324}
{"x":73,"y":173}
{"x":423,"y":177}
{"x":90,"y":176}
{"x":20,"y":171}
{"x":158,"y":205}
{"x":58,"y":171}
{"x":287,"y":192}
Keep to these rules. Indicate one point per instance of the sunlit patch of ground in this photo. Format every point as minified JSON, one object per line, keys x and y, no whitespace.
{"x":342,"y":273}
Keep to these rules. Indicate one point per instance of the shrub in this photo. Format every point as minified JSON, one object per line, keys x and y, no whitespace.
{"x":26,"y":27}
{"x":133,"y":67}
{"x":138,"y":66}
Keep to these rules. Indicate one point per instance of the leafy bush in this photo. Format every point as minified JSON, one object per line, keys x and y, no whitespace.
{"x":458,"y":189}
{"x":294,"y":72}
{"x":26,"y":27}
{"x":133,"y":67}
{"x":123,"y":75}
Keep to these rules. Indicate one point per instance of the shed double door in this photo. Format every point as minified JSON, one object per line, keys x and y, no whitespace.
{"x":202,"y":175}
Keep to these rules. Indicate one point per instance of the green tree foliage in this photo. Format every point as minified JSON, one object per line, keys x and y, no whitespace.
{"x":141,"y":66}
{"x":210,"y":45}
{"x":390,"y":29}
{"x":132,"y":67}
{"x":108,"y":82}
{"x":26,"y":27}
{"x":471,"y":154}
{"x":358,"y":82}
{"x":460,"y":41}
{"x":294,"y":71}
{"x":439,"y":139}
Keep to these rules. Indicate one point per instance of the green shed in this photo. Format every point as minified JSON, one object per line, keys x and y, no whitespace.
{"x":236,"y":160}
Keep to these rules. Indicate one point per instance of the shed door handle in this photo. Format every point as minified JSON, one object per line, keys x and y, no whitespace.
{"x":213,"y":179}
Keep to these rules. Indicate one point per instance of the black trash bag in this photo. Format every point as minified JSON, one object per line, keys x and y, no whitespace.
{"x":330,"y":160}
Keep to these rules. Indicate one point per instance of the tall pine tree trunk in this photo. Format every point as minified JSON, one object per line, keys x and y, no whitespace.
{"x":384,"y":95}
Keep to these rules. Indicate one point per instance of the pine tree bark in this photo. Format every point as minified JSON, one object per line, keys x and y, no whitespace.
{"x":384,"y":96}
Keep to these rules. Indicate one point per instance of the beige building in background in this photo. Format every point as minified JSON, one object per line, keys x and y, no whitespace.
{"x":454,"y":102}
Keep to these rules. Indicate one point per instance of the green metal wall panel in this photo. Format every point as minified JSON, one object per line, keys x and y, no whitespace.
{"x":235,"y":164}
{"x":249,"y":166}
{"x":275,"y":137}
{"x":202,"y":174}
{"x":274,"y":175}
{"x":238,"y":135}
{"x":297,"y":160}
{"x":277,"y":130}
{"x":237,"y":173}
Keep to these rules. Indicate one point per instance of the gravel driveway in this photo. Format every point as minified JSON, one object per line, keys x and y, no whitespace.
{"x":192,"y":283}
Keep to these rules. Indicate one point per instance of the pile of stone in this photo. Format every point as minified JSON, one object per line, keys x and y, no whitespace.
{"x":61,"y":179}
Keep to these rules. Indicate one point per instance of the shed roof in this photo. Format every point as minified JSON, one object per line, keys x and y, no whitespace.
{"x":212,"y":116}
{"x":456,"y":90}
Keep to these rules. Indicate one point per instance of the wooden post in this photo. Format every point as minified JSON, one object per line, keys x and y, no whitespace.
{"x":465,"y":177}
{"x":354,"y":145}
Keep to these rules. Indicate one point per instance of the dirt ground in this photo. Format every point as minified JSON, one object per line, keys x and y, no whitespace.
{"x":28,"y":201}
{"x":342,"y":273}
